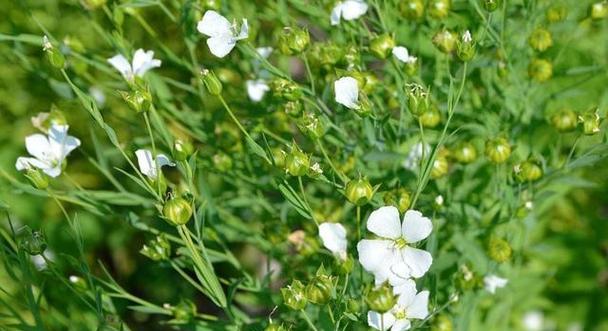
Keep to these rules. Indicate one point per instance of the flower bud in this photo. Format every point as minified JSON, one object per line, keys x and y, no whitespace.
{"x":431,"y":117}
{"x":490,"y":5}
{"x":211,"y":82}
{"x":275,"y":327}
{"x":293,"y":41}
{"x":311,"y":125}
{"x":440,"y":166}
{"x":359,"y":191}
{"x":279,"y":157}
{"x":292,"y":108}
{"x":92,"y":4}
{"x":445,"y":41}
{"x":184,"y":312}
{"x":79,"y":283}
{"x":400,"y":198}
{"x":182,"y":149}
{"x":599,"y":10}
{"x":382,"y":45}
{"x":293,"y":295}
{"x":177,"y":211}
{"x":591,"y":122}
{"x":345,"y":266}
{"x":33,"y":242}
{"x":499,"y":250}
{"x":139,"y":100}
{"x":54,"y":55}
{"x":222,"y":161}
{"x":381,"y":299}
{"x":465,"y":153}
{"x":564,"y":120}
{"x":353,"y":306}
{"x":412,"y":9}
{"x":528,"y":171}
{"x":540,"y":39}
{"x":320,"y":289}
{"x":557,"y":13}
{"x":540,"y":70}
{"x":417,"y":100}
{"x":498,"y":150}
{"x":442,"y":322}
{"x":285,"y":89}
{"x":439,"y":8}
{"x":296,"y":162}
{"x":38,"y":179}
{"x":465,"y":48}
{"x":326,"y":54}
{"x":211,"y":4}
{"x":157,"y":249}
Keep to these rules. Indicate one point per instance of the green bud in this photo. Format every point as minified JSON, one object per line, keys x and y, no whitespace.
{"x":292,"y":108}
{"x":92,"y":4}
{"x":418,"y":100}
{"x":359,"y":191}
{"x":557,"y":13}
{"x":79,"y":283}
{"x":564,"y":120}
{"x":465,"y":153}
{"x":279,"y":157}
{"x":599,"y":10}
{"x":540,"y":39}
{"x":285,"y":89}
{"x":345,"y":266}
{"x":311,"y":125}
{"x":490,"y":5}
{"x":440,"y":166}
{"x":293,"y":295}
{"x":412,"y":9}
{"x":591,"y":122}
{"x":38,"y":179}
{"x":211,"y":82}
{"x":465,"y":48}
{"x":33,"y":242}
{"x":445,"y":41}
{"x":177,"y":211}
{"x":382,"y":45}
{"x":442,"y":322}
{"x":275,"y":327}
{"x":320,"y":289}
{"x":157,"y":249}
{"x":400,"y":198}
{"x":431,"y":117}
{"x":499,"y":250}
{"x":211,"y":4}
{"x":439,"y":8}
{"x":184,"y":312}
{"x":293,"y":41}
{"x":528,"y":171}
{"x":222,"y":162}
{"x":182,"y":149}
{"x":54,"y":55}
{"x":498,"y":150}
{"x":381,"y":299}
{"x":353,"y":306}
{"x":326,"y":54}
{"x":296,"y":162}
{"x":540,"y":70}
{"x":139,"y":100}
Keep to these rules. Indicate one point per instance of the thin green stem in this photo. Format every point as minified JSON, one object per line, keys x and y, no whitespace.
{"x":305,"y":315}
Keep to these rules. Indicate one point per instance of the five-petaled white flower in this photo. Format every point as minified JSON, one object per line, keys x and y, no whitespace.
{"x":222,"y":35}
{"x":347,"y":10}
{"x":410,"y":305}
{"x":391,"y":257}
{"x":148,"y":164}
{"x":142,"y":62}
{"x":333,"y":236}
{"x":347,"y":92}
{"x":403,"y":55}
{"x":256,"y":89}
{"x":493,"y":282}
{"x":49,"y":152}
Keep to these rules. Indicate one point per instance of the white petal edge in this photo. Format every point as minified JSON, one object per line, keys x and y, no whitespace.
{"x":375,"y":321}
{"x":385,"y":223}
{"x":333,"y":236}
{"x":347,"y":92}
{"x":416,"y":227}
{"x":418,"y":260}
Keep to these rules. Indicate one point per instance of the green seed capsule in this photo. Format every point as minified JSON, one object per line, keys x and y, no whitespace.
{"x":285,"y":89}
{"x":382,"y":45}
{"x":445,"y":41}
{"x":498,"y":150}
{"x":442,"y":322}
{"x":465,"y":153}
{"x":38,"y":179}
{"x":54,"y":55}
{"x":157,"y":249}
{"x":381,"y":299}
{"x":490,"y":5}
{"x":431,"y":117}
{"x":311,"y":125}
{"x":599,"y":10}
{"x":177,"y":211}
{"x":294,"y":296}
{"x":540,"y":70}
{"x":139,"y":100}
{"x":499,"y":250}
{"x":591,"y":123}
{"x":557,"y":13}
{"x":540,"y":39}
{"x":319,"y":290}
{"x":359,"y":191}
{"x":412,"y":9}
{"x":222,"y":162}
{"x":275,"y":327}
{"x":182,"y":149}
{"x":439,"y":8}
{"x":440,"y":167}
{"x":297,"y":162}
{"x":211,"y":82}
{"x":293,"y":41}
{"x":564,"y":120}
{"x":211,"y":4}
{"x":528,"y":171}
{"x":33,"y":242}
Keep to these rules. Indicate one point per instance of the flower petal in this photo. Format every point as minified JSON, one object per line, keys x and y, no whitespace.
{"x":374,"y":253}
{"x":256,"y":89}
{"x":347,"y":92}
{"x":213,"y":24}
{"x":24,"y":163}
{"x":336,"y":14}
{"x":122,"y":65}
{"x":244,"y":33}
{"x":403,"y":55}
{"x":333,"y":236}
{"x":163,"y":160}
{"x":419,"y":307}
{"x":493,"y":282}
{"x":353,"y":9}
{"x":385,"y":223}
{"x":375,"y":320}
{"x":38,"y":146}
{"x":415,"y":226}
{"x":146,"y":163}
{"x":144,"y":61}
{"x":418,"y":260}
{"x":406,"y":291}
{"x":401,"y":325}
{"x":221,"y":45}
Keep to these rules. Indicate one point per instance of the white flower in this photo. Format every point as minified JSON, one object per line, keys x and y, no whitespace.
{"x":147,"y":164}
{"x":391,"y":257}
{"x":533,"y":320}
{"x":48,"y":152}
{"x":466,"y":37}
{"x":410,"y":305}
{"x":348,"y":10}
{"x":412,"y":162}
{"x":222,"y":35}
{"x":493,"y":282}
{"x":142,"y":62}
{"x":347,"y":92}
{"x":403,"y":55}
{"x":333,"y":236}
{"x":256,"y":89}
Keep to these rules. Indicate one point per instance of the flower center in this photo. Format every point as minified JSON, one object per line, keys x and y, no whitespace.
{"x":400,"y":314}
{"x":400,"y":243}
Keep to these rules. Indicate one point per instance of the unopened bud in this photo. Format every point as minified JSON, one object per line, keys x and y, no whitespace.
{"x":92,"y":4}
{"x":381,"y":299}
{"x":297,"y":162}
{"x":54,"y":55}
{"x":540,"y":70}
{"x":320,"y":289}
{"x":275,"y":327}
{"x":211,"y":82}
{"x":294,"y":296}
{"x":211,"y":4}
{"x":382,"y":45}
{"x":33,"y":242}
{"x":139,"y":100}
{"x":540,"y":39}
{"x":490,"y":5}
{"x":222,"y":161}
{"x":359,"y":191}
{"x":528,"y":171}
{"x":498,"y":150}
{"x":445,"y":41}
{"x":465,"y":153}
{"x":465,"y":48}
{"x":499,"y":250}
{"x":182,"y":149}
{"x":184,"y":312}
{"x":439,"y":8}
{"x":400,"y":198}
{"x":177,"y":211}
{"x":564,"y":120}
{"x":412,"y":9}
{"x":557,"y":13}
{"x":293,"y":40}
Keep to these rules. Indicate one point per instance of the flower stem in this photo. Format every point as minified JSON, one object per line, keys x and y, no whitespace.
{"x":312,"y":326}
